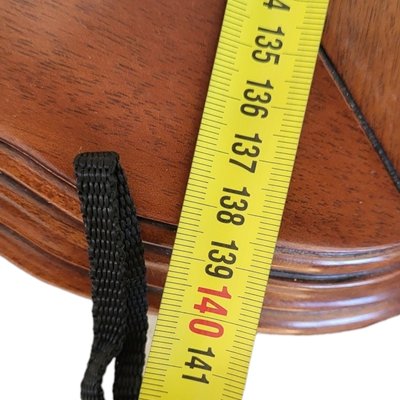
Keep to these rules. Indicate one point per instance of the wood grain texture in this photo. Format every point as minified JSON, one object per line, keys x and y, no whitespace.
{"x":362,"y":39}
{"x":133,"y":79}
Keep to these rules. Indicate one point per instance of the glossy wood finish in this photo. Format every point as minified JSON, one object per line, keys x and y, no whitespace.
{"x":132,"y":78}
{"x":362,"y":37}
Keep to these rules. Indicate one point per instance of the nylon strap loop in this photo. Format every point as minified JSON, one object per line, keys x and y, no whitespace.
{"x":117,"y":272}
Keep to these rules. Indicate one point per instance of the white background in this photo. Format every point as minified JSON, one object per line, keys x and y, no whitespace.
{"x":45,"y":337}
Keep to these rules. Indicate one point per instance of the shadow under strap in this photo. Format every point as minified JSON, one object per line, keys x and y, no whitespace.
{"x":117,"y":272}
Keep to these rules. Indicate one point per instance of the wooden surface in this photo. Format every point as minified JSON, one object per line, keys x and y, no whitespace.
{"x":362,"y":37}
{"x":132,"y":78}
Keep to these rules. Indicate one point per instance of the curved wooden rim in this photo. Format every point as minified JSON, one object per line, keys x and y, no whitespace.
{"x":289,"y":261}
{"x":297,"y":301}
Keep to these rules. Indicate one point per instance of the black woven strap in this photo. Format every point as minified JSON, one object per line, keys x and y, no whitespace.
{"x":117,"y":272}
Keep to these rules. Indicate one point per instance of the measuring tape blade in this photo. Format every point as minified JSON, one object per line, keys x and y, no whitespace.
{"x":234,"y":200}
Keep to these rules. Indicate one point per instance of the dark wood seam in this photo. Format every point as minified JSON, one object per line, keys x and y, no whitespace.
{"x":376,"y":144}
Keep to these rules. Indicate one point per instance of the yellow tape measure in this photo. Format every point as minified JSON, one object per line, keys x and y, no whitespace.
{"x":234,"y":200}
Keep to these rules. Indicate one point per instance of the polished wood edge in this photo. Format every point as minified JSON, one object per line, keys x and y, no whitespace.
{"x":49,"y":185}
{"x":308,"y":290}
{"x":27,"y":179}
{"x":291,"y":307}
